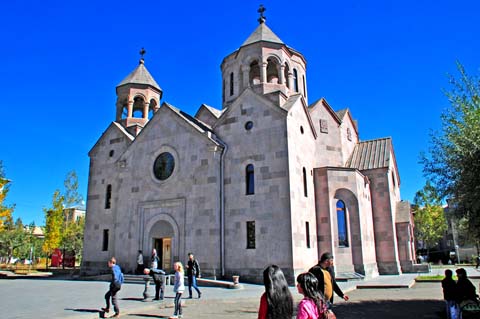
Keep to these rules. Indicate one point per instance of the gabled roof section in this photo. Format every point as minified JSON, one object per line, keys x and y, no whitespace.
{"x":196,"y":123}
{"x":117,"y":126}
{"x":371,"y":154}
{"x":211,"y":109}
{"x":262,"y":33}
{"x":342,"y":113}
{"x":327,"y":106}
{"x":292,"y":100}
{"x":140,"y":76}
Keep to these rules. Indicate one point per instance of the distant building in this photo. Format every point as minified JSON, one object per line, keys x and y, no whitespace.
{"x":266,"y":179}
{"x":74,"y":213}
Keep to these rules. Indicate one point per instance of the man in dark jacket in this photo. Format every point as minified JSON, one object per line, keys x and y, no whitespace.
{"x":193,"y":272}
{"x":158,"y":277}
{"x":449,"y":294}
{"x":465,"y":289}
{"x":326,"y":278}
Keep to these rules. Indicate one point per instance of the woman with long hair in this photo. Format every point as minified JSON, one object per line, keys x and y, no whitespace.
{"x":178,"y":288}
{"x":277,"y":301}
{"x":313,"y":305}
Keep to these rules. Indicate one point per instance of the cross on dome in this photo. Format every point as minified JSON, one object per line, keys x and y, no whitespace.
{"x":261,"y":10}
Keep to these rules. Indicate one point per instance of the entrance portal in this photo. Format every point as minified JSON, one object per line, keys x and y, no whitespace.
{"x":164,"y":251}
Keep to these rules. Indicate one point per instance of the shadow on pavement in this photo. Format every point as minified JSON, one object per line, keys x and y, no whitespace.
{"x":391,"y":309}
{"x":147,"y":315}
{"x":133,"y":299}
{"x":84,"y":310}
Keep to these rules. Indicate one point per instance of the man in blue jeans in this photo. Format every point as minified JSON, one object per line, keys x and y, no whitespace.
{"x":193,"y":272}
{"x":115,"y":285}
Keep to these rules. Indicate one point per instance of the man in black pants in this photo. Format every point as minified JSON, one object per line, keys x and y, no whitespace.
{"x":326,"y":278}
{"x":115,"y":285}
{"x":158,"y":276}
{"x":193,"y":272}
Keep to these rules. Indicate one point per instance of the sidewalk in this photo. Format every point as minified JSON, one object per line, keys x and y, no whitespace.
{"x":51,"y":298}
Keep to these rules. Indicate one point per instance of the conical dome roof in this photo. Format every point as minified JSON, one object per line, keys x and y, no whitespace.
{"x":140,"y":76}
{"x":262,"y":33}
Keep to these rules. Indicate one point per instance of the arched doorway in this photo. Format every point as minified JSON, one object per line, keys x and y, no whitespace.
{"x":161,"y":237}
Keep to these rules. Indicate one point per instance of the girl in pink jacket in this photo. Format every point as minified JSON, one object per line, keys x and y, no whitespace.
{"x":313,"y":305}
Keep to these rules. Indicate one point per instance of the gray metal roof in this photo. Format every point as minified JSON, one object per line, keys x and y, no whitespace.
{"x":371,"y":154}
{"x":262,"y":33}
{"x":140,"y":76}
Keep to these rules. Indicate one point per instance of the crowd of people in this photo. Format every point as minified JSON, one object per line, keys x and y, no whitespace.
{"x":458,"y":293}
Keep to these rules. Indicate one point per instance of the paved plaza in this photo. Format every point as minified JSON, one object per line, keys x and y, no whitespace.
{"x":382,"y":297}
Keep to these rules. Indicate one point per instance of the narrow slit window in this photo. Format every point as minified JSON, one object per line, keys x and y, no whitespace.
{"x":231,"y":84}
{"x":295,"y":80}
{"x":342,"y":224}
{"x":250,"y":179}
{"x":105,"y":240}
{"x":307,"y":233}
{"x":108,"y":197}
{"x":251,"y":235}
{"x":305,"y":190}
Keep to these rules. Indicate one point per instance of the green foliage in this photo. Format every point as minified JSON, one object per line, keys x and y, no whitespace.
{"x":71,"y":195}
{"x":54,"y":224}
{"x":430,"y":222}
{"x":5,"y":211}
{"x":453,"y":160}
{"x":60,"y":230}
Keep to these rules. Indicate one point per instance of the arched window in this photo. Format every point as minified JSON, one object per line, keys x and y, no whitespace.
{"x":305,"y":190}
{"x":286,"y":71}
{"x":231,"y":84}
{"x":304,"y":86}
{"x":272,"y":71}
{"x":254,"y":73}
{"x":342,"y":224}
{"x":295,"y":80}
{"x":138,"y":107}
{"x":108,"y":197}
{"x":250,"y":179}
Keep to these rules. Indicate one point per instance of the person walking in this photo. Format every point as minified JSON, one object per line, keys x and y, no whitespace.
{"x":313,"y":305}
{"x":140,"y":265}
{"x":277,"y":301}
{"x":154,"y":259}
{"x":193,"y":272}
{"x":326,"y":278}
{"x":158,"y":276}
{"x":449,"y":295}
{"x":115,"y":286}
{"x":178,"y":288}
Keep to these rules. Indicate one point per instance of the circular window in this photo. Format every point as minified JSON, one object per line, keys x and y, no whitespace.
{"x":163,"y":166}
{"x":301,"y":129}
{"x":111,"y":153}
{"x":248,"y":125}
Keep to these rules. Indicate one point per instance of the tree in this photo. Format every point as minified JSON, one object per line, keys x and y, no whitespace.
{"x":71,"y":194}
{"x":73,"y":237}
{"x":54,"y":223}
{"x":5,"y":211}
{"x":430,"y":222}
{"x":452,"y":163}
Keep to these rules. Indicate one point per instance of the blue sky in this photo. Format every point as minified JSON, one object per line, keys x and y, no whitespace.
{"x":385,"y":60}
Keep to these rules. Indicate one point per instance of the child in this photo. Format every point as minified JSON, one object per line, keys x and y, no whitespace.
{"x":178,"y":288}
{"x":313,"y":305}
{"x":277,"y":301}
{"x":449,"y":294}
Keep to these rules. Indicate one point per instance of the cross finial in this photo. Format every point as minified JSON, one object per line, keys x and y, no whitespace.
{"x":261,"y":10}
{"x":142,"y":53}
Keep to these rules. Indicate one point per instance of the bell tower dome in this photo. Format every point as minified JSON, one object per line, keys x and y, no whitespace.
{"x":265,"y":64}
{"x":138,"y":97}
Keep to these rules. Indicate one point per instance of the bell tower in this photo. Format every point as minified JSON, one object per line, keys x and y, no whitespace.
{"x":138,"y":97}
{"x":266,"y":65}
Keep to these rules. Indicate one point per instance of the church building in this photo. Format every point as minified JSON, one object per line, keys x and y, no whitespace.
{"x":268,"y":178}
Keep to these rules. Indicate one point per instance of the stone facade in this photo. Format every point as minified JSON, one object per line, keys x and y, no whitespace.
{"x":266,"y":179}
